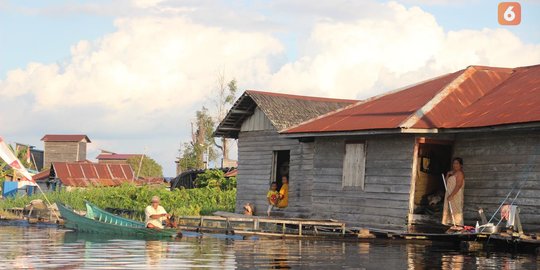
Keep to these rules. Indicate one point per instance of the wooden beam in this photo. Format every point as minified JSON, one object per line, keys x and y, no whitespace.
{"x":237,"y":111}
{"x":229,"y":128}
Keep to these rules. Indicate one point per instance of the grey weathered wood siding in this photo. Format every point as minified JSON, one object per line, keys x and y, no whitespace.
{"x":64,"y":152}
{"x":493,"y":164}
{"x":385,"y":199}
{"x":257,"y":121}
{"x":255,"y":152}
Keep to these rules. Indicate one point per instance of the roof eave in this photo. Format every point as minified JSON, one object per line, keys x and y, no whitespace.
{"x":506,"y":127}
{"x":340,"y":133}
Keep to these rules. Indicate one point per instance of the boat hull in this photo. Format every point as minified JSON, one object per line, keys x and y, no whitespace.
{"x":110,"y":224}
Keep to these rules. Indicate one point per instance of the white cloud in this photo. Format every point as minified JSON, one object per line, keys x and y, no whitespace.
{"x":142,"y":82}
{"x":140,"y":85}
{"x":364,"y":57}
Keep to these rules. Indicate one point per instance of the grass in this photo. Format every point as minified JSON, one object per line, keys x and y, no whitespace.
{"x":180,"y":202}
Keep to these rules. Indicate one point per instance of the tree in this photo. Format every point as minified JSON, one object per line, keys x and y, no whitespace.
{"x":225,"y":96}
{"x":149,"y":167}
{"x":202,"y":143}
{"x":191,"y":155}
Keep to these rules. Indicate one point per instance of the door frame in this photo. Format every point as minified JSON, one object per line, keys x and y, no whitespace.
{"x":418,"y":141}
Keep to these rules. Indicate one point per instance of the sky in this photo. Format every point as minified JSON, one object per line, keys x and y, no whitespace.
{"x":131,"y":73}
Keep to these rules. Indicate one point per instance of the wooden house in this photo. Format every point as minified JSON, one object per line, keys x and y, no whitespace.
{"x":64,"y":148}
{"x":114,"y":158}
{"x":35,"y":156}
{"x":255,"y":120}
{"x":372,"y":163}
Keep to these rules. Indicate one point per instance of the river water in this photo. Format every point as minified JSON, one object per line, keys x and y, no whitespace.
{"x":31,"y":247}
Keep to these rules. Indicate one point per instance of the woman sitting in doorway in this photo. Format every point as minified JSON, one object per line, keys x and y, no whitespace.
{"x":284,"y":193}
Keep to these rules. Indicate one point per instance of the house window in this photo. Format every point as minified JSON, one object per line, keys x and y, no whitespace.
{"x":354,"y":165}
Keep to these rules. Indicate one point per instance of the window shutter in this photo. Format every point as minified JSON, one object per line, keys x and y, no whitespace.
{"x":354,"y":165}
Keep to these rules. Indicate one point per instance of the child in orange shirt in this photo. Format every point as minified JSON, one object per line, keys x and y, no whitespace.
{"x":273,"y":197}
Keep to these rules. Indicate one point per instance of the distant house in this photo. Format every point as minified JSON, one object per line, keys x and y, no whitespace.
{"x":114,"y":158}
{"x":263,"y":156}
{"x":64,"y":148}
{"x":373,"y":163}
{"x":84,"y":174}
{"x":36,"y":155}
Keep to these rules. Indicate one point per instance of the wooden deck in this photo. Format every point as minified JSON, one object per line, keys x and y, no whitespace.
{"x":267,"y":226}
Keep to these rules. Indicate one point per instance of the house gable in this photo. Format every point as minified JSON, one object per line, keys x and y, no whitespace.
{"x":281,"y":111}
{"x":257,"y":121}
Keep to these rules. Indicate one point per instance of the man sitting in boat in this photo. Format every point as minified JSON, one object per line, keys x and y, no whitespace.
{"x":155,"y":214}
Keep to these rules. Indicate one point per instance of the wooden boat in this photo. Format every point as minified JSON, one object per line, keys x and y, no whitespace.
{"x":100,"y":221}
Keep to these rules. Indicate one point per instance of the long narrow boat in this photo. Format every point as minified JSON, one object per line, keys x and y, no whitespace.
{"x":100,"y":221}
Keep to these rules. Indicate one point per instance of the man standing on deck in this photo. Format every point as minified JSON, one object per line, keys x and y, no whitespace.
{"x":155,"y":214}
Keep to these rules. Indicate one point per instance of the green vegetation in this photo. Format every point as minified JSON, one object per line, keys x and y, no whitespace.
{"x":149,"y":168}
{"x":215,"y":179}
{"x":180,"y":202}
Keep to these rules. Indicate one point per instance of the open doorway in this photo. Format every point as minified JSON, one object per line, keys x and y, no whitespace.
{"x":432,"y":158}
{"x":280,"y":166}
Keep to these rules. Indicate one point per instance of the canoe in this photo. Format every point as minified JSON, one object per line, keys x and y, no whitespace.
{"x":100,"y":221}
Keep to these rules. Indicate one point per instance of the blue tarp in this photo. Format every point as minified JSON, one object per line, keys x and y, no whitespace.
{"x":9,"y":188}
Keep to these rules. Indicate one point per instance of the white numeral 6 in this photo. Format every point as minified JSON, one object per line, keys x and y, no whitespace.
{"x":509,"y":14}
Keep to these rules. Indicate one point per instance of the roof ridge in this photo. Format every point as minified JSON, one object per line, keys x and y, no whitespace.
{"x":444,"y":92}
{"x":312,"y":98}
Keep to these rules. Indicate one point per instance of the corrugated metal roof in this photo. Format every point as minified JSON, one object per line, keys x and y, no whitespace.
{"x":65,"y":138}
{"x":117,"y":156}
{"x":80,"y":174}
{"x":510,"y":96}
{"x":231,"y":173}
{"x":42,"y":176}
{"x":283,"y":110}
{"x":473,"y":97}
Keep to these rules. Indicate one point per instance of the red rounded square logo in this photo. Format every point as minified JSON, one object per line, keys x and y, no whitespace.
{"x":509,"y":13}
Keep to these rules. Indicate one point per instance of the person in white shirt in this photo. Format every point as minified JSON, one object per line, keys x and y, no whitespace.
{"x":155,"y":214}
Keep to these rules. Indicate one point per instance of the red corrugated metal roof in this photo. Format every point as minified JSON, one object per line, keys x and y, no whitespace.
{"x":65,"y":138}
{"x":42,"y":176}
{"x":511,"y":96}
{"x":473,"y":97}
{"x":231,"y":173}
{"x":117,"y":156}
{"x":92,"y":174}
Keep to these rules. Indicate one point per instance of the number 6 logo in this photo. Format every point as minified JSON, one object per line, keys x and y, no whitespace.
{"x":509,"y":13}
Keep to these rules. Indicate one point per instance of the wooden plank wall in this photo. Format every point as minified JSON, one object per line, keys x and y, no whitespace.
{"x":493,"y":163}
{"x":62,"y":152}
{"x":82,"y":151}
{"x":255,"y":150}
{"x":385,"y":201}
{"x":257,"y":121}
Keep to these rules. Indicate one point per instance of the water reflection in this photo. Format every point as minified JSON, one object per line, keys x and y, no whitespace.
{"x":37,"y":248}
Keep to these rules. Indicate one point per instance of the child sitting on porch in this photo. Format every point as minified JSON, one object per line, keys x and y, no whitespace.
{"x":273,"y":197}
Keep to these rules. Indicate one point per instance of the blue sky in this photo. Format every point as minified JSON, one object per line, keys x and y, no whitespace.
{"x":130,"y":73}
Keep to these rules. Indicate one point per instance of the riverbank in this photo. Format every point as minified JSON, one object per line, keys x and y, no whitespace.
{"x":180,"y":202}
